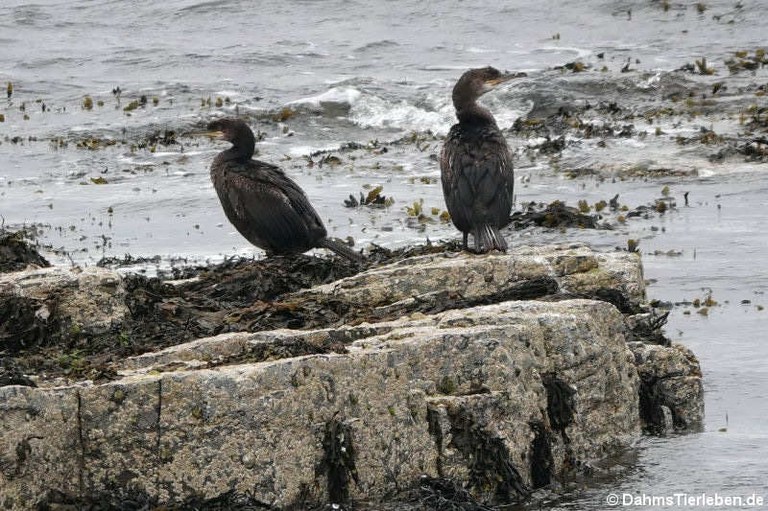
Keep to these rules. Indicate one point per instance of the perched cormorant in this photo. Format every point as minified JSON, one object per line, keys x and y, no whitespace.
{"x":267,"y":207}
{"x":475,"y":164}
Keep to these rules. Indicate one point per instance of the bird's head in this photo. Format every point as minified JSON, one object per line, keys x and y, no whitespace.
{"x":228,"y":129}
{"x":476,"y":82}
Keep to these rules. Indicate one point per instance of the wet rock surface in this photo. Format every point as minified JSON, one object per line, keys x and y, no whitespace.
{"x":292,"y":383}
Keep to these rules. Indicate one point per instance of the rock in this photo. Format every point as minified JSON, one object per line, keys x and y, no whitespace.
{"x":495,"y":396}
{"x":671,"y":379}
{"x":39,"y":444}
{"x":51,"y":303}
{"x":16,"y":253}
{"x":667,"y":423}
{"x":419,"y":396}
{"x":573,"y":269}
{"x":11,"y":374}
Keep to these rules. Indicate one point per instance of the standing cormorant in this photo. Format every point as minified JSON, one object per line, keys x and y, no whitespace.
{"x":267,"y":207}
{"x":475,"y":164}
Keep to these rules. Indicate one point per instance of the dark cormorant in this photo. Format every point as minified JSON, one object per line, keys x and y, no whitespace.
{"x":267,"y":207}
{"x":475,"y":164}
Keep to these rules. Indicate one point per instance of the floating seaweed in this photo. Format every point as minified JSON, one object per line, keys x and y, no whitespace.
{"x":555,"y":214}
{"x":444,"y":494}
{"x":742,"y":61}
{"x":373,"y":198}
{"x":133,"y":105}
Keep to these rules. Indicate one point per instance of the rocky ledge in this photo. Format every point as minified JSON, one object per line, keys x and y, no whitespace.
{"x":484,"y":377}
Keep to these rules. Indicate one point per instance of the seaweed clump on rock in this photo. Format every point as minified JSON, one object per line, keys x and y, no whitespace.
{"x":16,"y":253}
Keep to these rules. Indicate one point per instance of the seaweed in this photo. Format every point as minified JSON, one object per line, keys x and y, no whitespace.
{"x":11,"y":374}
{"x":16,"y":253}
{"x":338,"y":463}
{"x":560,"y":402}
{"x":648,"y":329}
{"x":490,"y":467}
{"x":442,"y":494}
{"x":23,"y":324}
{"x":373,"y":198}
{"x":237,"y":295}
{"x":652,"y":406}
{"x":138,"y":500}
{"x":554,"y":214}
{"x":542,"y":462}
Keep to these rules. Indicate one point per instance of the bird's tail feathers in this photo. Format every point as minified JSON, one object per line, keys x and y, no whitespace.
{"x":487,"y":238}
{"x":342,"y":249}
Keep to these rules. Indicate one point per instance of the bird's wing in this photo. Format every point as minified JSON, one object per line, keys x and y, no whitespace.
{"x":478,"y":180}
{"x":297,"y":198}
{"x":450,"y":171}
{"x":269,"y":209}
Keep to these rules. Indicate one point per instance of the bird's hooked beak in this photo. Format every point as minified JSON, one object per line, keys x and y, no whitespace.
{"x":210,"y":131}
{"x":491,"y":84}
{"x":214,"y":134}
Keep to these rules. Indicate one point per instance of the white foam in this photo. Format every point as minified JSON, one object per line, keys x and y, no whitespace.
{"x":652,"y":82}
{"x":709,"y":169}
{"x":474,"y":49}
{"x":581,"y":53}
{"x":334,"y":97}
{"x":447,"y":67}
{"x":231,"y":94}
{"x":506,"y":117}
{"x":375,"y":112}
{"x":295,"y":151}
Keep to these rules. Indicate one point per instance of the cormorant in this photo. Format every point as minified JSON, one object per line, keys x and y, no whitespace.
{"x":475,"y":164}
{"x":267,"y":207}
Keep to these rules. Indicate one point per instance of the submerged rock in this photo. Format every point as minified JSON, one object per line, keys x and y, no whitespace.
{"x":488,"y":399}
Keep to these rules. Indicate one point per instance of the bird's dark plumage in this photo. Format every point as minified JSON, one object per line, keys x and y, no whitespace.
{"x":475,"y":165}
{"x":267,"y":207}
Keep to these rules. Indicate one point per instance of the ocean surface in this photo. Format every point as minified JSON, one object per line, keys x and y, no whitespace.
{"x":98,"y":155}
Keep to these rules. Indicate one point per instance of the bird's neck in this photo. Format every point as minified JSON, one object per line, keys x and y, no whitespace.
{"x":472,"y":113}
{"x":241,"y":151}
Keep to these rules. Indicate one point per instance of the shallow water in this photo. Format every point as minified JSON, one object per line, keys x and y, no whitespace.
{"x":362,"y":72}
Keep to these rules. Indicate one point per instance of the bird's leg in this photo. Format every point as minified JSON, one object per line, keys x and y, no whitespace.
{"x":464,"y":241}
